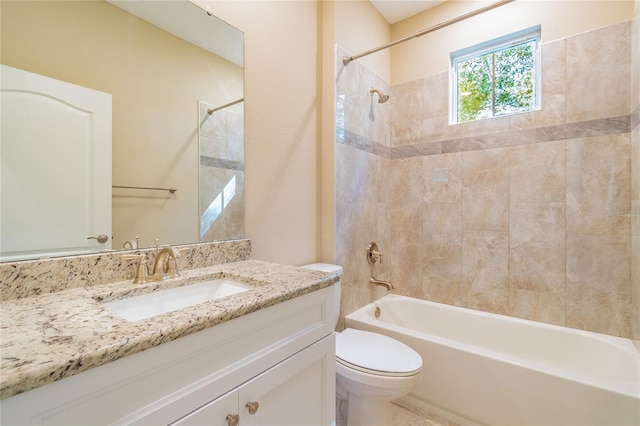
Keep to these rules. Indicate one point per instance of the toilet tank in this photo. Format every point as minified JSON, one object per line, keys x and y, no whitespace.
{"x":337,"y":287}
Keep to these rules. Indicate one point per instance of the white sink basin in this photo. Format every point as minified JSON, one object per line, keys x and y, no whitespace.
{"x":149,"y":305}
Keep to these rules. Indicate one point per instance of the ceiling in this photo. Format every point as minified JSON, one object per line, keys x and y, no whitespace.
{"x":397,"y":10}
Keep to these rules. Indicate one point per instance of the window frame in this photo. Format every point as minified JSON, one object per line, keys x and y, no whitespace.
{"x":492,"y":46}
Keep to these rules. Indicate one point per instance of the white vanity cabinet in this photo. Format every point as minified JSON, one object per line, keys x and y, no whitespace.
{"x":280,"y":357}
{"x":287,"y":394}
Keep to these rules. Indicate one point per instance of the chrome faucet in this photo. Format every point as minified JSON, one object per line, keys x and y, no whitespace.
{"x":165,"y":264}
{"x":374,"y":281}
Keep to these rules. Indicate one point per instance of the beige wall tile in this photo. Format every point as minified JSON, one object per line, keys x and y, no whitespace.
{"x":598,"y":263}
{"x":406,"y":113}
{"x":635,"y":58}
{"x":537,"y":173}
{"x":552,"y":113}
{"x":442,"y":270}
{"x":635,"y":160}
{"x":603,"y":313}
{"x":442,"y":221}
{"x":485,"y":271}
{"x":406,"y":181}
{"x":485,"y":180}
{"x":487,"y":126}
{"x":442,"y":177}
{"x":537,"y":247}
{"x":554,"y":68}
{"x":435,"y":95}
{"x":599,"y":185}
{"x":442,"y":252}
{"x":598,"y":282}
{"x":405,"y":256}
{"x":537,"y":306}
{"x":635,"y":286}
{"x":598,"y":76}
{"x":436,"y":129}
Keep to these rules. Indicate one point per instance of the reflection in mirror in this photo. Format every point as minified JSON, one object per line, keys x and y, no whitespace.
{"x":221,"y":171}
{"x":159,"y":70}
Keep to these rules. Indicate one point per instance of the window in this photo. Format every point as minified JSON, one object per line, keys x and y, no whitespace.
{"x":496,"y":78}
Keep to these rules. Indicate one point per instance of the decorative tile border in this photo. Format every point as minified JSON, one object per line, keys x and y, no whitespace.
{"x":584,"y":129}
{"x":360,"y":142}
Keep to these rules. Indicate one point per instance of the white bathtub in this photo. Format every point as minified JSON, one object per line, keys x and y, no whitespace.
{"x":482,"y":368}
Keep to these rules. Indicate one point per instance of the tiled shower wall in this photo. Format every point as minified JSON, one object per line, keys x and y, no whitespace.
{"x":362,"y":173}
{"x":635,"y":172}
{"x":527,"y":215}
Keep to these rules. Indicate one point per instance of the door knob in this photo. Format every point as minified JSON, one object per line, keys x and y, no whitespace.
{"x":233,"y":419}
{"x":252,"y":407}
{"x":102,"y":238}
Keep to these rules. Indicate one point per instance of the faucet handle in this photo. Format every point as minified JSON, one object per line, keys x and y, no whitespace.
{"x":172,"y":268}
{"x":172,"y":262}
{"x":373,"y":254}
{"x":142,"y":273}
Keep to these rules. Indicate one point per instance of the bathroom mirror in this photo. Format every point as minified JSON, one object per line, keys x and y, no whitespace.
{"x":174,"y":74}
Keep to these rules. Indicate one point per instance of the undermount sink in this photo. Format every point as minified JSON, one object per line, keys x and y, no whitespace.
{"x":136,"y":308}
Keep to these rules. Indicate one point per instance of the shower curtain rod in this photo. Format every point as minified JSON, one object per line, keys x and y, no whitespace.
{"x":346,"y":60}
{"x":212,"y":110}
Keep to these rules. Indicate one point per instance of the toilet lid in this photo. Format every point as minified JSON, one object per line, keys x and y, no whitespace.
{"x":376,"y":353}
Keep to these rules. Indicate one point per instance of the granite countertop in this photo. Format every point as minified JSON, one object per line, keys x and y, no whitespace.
{"x":48,"y":337}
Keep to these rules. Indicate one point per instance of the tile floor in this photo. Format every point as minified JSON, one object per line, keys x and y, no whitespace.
{"x":403,"y":417}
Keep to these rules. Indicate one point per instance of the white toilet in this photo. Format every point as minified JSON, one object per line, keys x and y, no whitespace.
{"x":371,"y":369}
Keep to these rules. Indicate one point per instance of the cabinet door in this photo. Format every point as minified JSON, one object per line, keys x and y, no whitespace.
{"x":215,"y":413}
{"x":298,"y":391}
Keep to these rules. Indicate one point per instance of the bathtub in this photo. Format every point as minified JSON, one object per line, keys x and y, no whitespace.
{"x":483,"y":368}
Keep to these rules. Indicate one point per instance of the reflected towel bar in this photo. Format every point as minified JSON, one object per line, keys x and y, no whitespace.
{"x":171,"y":190}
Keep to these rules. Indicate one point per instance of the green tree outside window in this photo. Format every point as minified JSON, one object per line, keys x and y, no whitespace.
{"x":496,"y":83}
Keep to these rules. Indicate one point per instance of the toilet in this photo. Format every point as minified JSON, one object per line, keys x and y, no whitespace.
{"x":371,"y":369}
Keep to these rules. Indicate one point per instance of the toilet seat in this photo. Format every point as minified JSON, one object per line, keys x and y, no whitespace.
{"x":376,"y":354}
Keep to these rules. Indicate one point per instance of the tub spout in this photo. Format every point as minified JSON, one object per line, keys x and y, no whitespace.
{"x":374,"y":281}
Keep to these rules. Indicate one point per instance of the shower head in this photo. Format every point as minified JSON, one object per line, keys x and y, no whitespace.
{"x":382,"y":98}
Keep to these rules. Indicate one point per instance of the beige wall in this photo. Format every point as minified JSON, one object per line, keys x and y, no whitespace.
{"x":289,"y":148}
{"x":635,"y":175}
{"x":429,"y":54}
{"x":360,"y":27}
{"x":155,"y":141}
{"x":281,"y":108}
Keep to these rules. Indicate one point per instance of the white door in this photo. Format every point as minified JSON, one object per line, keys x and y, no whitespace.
{"x":55,"y":172}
